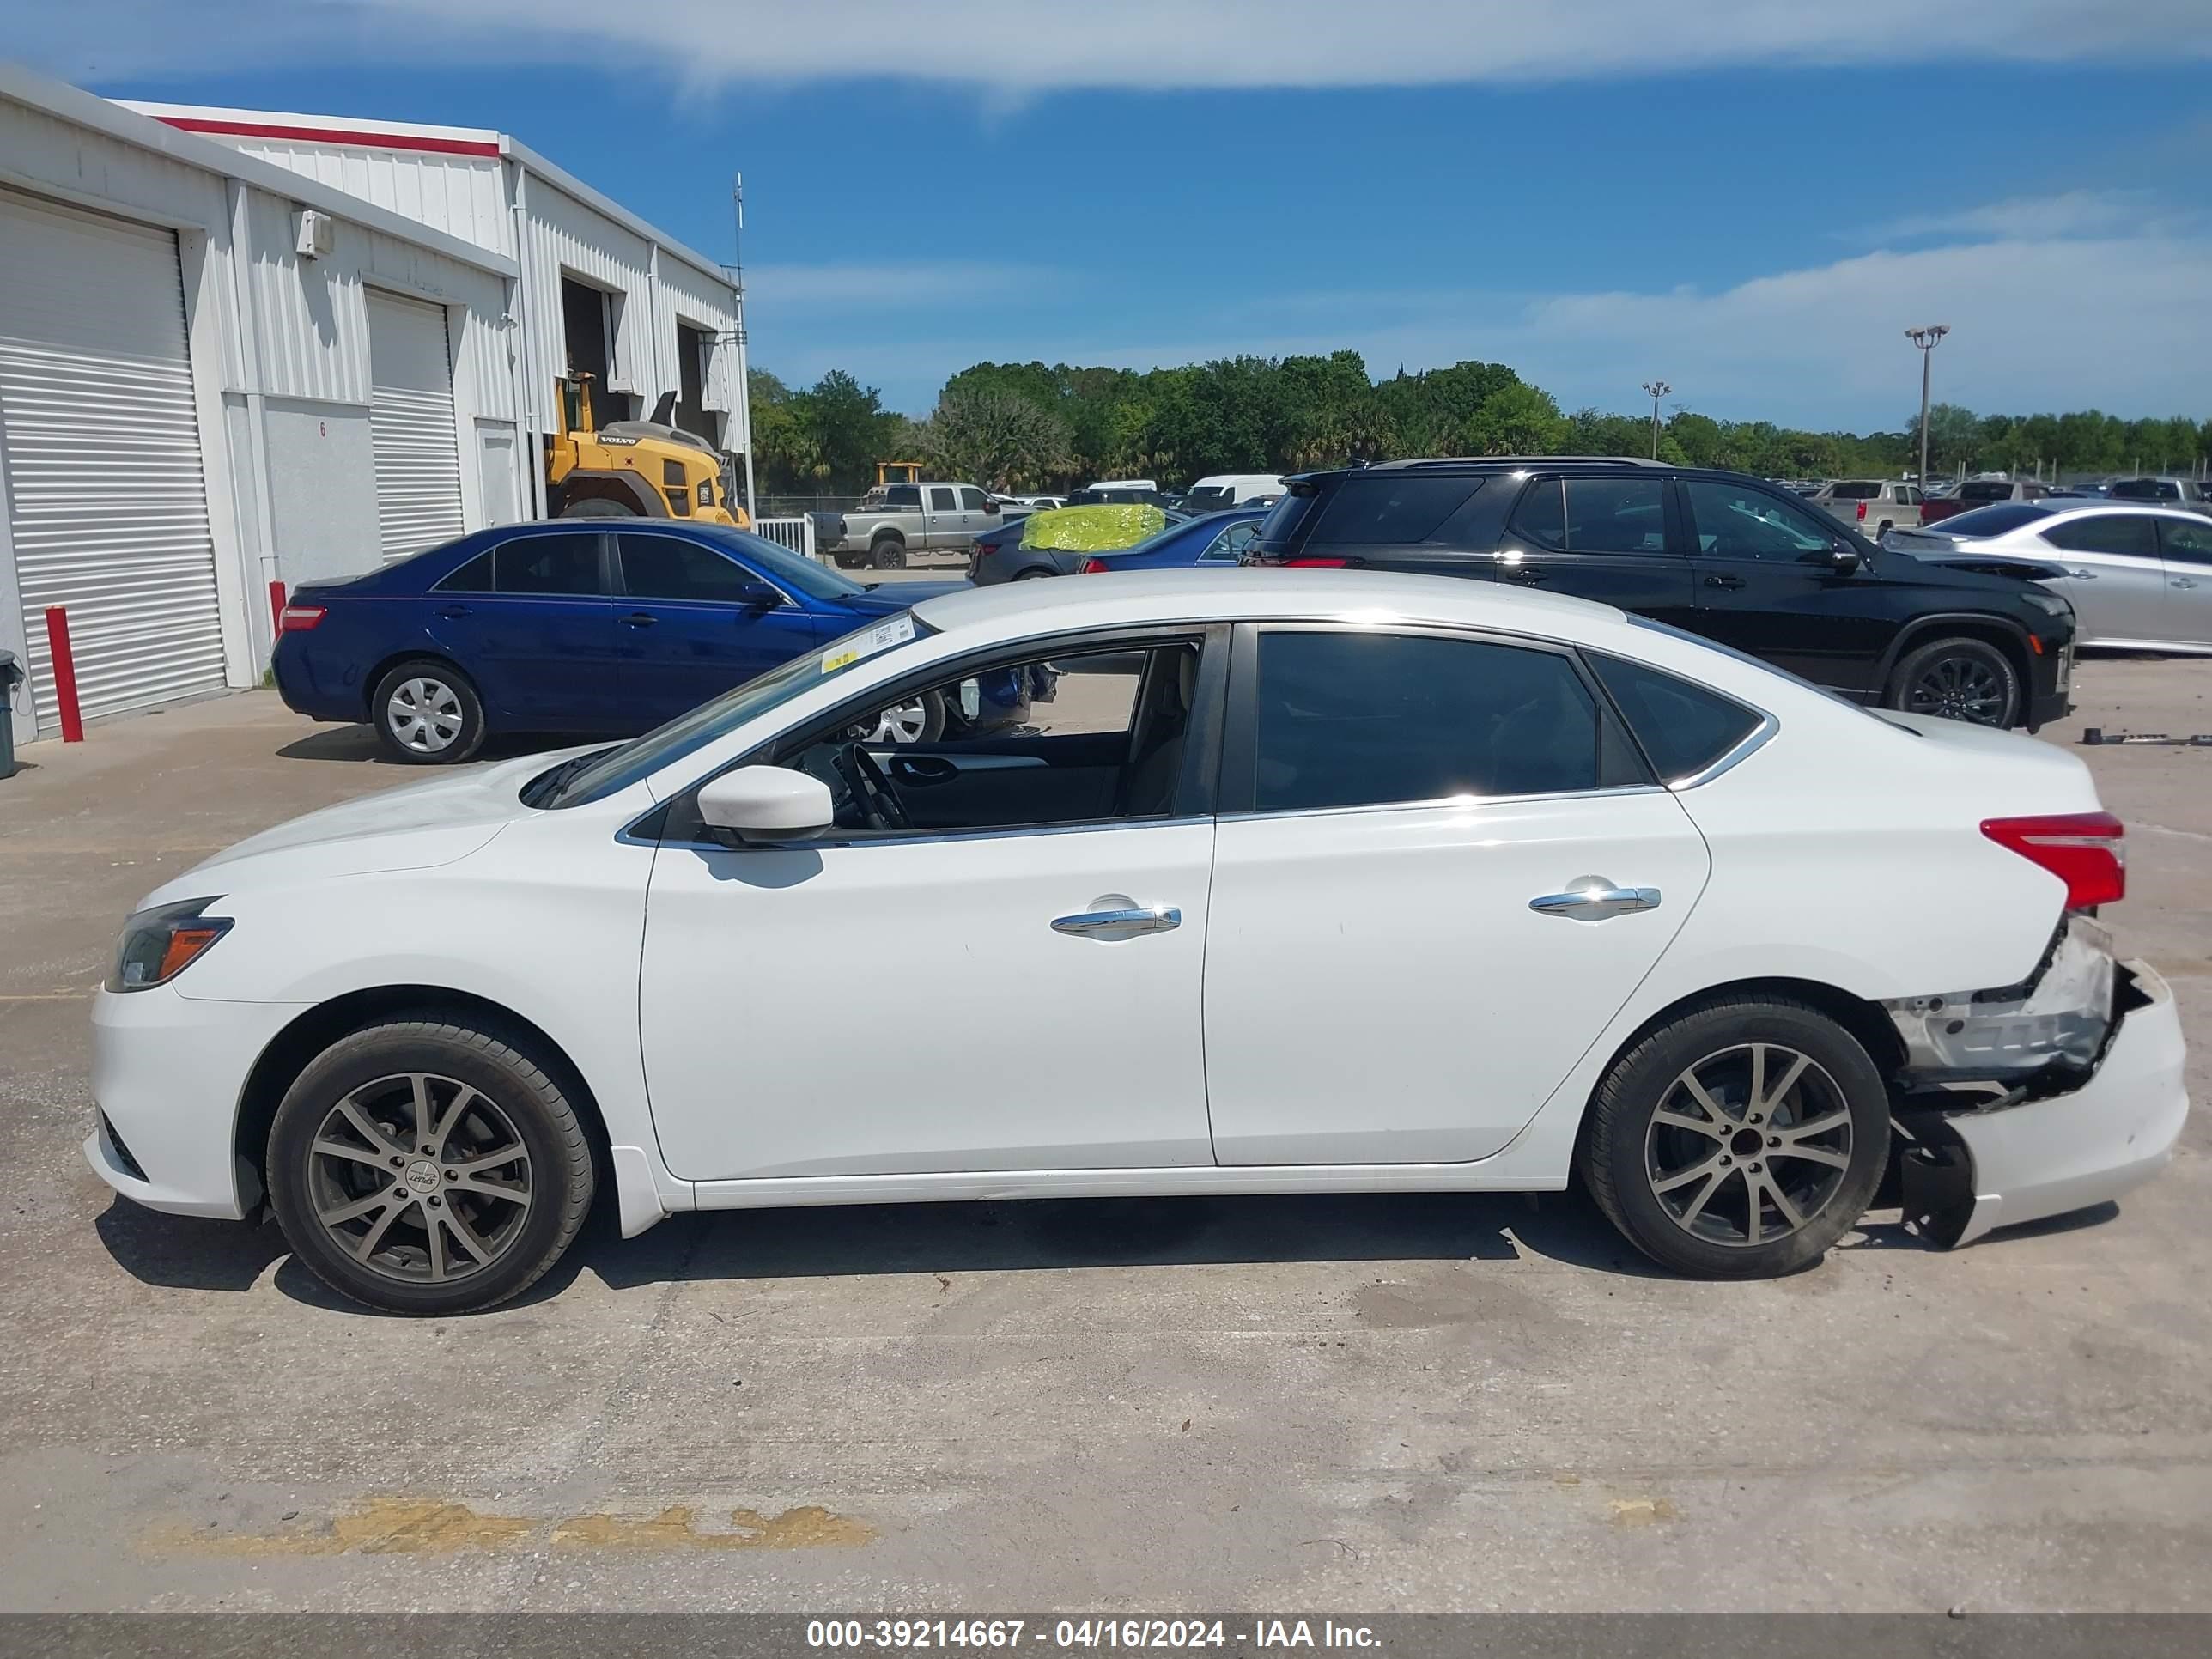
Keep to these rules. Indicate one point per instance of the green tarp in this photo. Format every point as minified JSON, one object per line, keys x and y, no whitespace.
{"x":1093,"y":529}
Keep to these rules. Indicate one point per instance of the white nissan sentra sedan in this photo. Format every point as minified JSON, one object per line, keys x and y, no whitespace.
{"x":1319,"y":881}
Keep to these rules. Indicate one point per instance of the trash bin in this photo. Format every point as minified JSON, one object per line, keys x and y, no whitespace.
{"x":11,"y":676}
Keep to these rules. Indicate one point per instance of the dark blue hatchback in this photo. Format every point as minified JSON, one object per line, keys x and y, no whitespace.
{"x":557,"y":628}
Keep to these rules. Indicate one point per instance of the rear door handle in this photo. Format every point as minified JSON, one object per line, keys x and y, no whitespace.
{"x":2082,"y":575}
{"x":1724,"y":581}
{"x":452,"y":612}
{"x":641,"y":619}
{"x":1125,"y":921}
{"x":2184,"y":581}
{"x":1593,"y":898}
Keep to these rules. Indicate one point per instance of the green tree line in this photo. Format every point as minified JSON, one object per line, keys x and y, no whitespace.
{"x":1030,"y":426}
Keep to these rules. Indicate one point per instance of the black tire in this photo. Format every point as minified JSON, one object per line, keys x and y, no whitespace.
{"x":599,"y":506}
{"x":1033,"y":573}
{"x":845,"y":561}
{"x":554,"y":1164}
{"x":1958,"y":678}
{"x":887,"y":553}
{"x":1882,"y":529}
{"x":1629,"y":1151}
{"x":444,"y":698}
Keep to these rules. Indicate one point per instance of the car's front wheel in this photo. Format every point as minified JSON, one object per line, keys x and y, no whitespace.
{"x":428,"y":713}
{"x":428,"y":1166}
{"x":1958,"y":679}
{"x":1739,"y":1140}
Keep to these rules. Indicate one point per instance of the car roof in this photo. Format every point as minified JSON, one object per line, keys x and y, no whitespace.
{"x":1250,"y":595}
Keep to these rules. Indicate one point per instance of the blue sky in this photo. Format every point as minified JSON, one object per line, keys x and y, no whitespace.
{"x":1751,"y":200}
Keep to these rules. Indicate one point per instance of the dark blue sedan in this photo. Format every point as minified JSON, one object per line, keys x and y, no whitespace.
{"x":1215,"y":539}
{"x":555,"y":628}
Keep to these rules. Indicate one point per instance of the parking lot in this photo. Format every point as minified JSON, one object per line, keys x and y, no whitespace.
{"x":1439,"y":1402}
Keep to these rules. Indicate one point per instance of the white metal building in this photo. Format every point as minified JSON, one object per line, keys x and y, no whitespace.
{"x":217,"y":373}
{"x":603,"y":291}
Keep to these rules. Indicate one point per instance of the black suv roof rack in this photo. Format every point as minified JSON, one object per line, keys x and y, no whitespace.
{"x":1518,"y":460}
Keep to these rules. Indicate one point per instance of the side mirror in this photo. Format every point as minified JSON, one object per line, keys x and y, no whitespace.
{"x":1844,"y":560}
{"x":758,"y":595}
{"x":766,"y":803}
{"x":990,"y":506}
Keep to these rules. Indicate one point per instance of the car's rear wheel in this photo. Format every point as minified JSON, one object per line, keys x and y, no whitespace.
{"x":889,"y":554}
{"x":1032,"y":573}
{"x":1739,"y":1140}
{"x":1958,"y":679}
{"x":423,"y":1166}
{"x":428,"y":713}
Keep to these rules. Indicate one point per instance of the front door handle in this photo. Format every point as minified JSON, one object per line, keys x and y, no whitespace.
{"x":453,"y":612}
{"x":2082,"y":575}
{"x":1126,"y":919}
{"x":641,"y":619}
{"x":1525,"y":572}
{"x":1593,"y":898}
{"x":1730,"y":582}
{"x":2184,"y":581}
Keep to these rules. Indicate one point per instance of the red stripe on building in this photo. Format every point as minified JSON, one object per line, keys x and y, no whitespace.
{"x":333,"y":136}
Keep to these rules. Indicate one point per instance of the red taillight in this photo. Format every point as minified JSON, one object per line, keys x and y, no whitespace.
{"x":299,"y":618}
{"x":1316,"y":564}
{"x":1861,"y":511}
{"x":1095,"y":568}
{"x":2082,"y":849}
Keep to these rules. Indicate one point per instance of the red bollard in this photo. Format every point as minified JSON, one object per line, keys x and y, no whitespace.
{"x":275,"y":609}
{"x":57,"y":642}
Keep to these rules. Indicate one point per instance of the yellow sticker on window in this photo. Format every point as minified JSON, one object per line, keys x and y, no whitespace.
{"x":883,"y":635}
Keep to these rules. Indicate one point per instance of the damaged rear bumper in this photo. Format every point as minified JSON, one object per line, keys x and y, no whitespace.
{"x":2073,"y":1135}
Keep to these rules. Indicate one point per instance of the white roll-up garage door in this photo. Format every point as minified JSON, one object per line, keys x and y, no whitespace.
{"x":411,"y":423}
{"x":99,"y":449}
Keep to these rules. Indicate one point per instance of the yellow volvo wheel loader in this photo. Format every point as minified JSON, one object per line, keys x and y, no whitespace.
{"x":634,"y":469}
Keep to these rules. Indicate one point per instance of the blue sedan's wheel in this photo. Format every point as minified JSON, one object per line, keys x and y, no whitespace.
{"x":428,"y":713}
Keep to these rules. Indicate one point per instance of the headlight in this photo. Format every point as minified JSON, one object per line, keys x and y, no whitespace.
{"x":159,"y":944}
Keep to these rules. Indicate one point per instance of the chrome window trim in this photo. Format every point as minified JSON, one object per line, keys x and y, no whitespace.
{"x":1747,"y":745}
{"x":1372,"y":807}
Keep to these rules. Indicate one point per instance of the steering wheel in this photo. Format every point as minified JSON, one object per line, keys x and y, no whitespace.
{"x":872,"y":791}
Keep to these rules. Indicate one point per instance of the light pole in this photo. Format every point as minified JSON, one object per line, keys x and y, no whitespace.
{"x":1655,"y":390}
{"x":1925,"y":338}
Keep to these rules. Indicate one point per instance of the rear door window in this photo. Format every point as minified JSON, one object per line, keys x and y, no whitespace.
{"x":474,"y":577}
{"x":2133,"y":535}
{"x":940,"y":499}
{"x":1358,"y":719}
{"x":2186,"y":541}
{"x":1379,"y":509}
{"x":563,"y":563}
{"x":1683,"y":727}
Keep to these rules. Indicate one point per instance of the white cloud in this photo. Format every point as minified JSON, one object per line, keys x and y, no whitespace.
{"x":1012,"y":47}
{"x":2116,"y":322}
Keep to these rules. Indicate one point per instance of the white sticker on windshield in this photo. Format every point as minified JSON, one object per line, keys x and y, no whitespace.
{"x":882,"y":637}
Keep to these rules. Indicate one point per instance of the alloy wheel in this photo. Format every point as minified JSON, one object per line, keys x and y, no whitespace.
{"x":419,"y":1178}
{"x":1749,"y":1144}
{"x":1958,"y":689}
{"x":425,"y":715}
{"x":903,"y":722}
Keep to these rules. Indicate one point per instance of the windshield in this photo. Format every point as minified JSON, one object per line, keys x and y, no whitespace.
{"x":614,"y":769}
{"x":781,"y":565}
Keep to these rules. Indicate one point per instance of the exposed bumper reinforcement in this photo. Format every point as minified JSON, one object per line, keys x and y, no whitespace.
{"x":2016,"y":1159}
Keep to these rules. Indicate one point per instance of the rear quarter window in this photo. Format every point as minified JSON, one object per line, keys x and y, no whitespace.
{"x":1684,"y":728}
{"x":1382,"y":509}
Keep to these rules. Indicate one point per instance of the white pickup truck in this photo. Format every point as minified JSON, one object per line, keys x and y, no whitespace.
{"x":896,"y":519}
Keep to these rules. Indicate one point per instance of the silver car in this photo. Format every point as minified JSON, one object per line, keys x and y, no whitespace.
{"x":2139,"y":578}
{"x":1873,"y":507}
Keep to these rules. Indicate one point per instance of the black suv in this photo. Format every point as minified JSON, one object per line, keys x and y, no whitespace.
{"x":1718,"y":553}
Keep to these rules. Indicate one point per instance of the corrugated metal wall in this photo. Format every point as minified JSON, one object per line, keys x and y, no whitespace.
{"x":313,"y":337}
{"x":703,"y":303}
{"x":461,"y":195}
{"x":567,"y":234}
